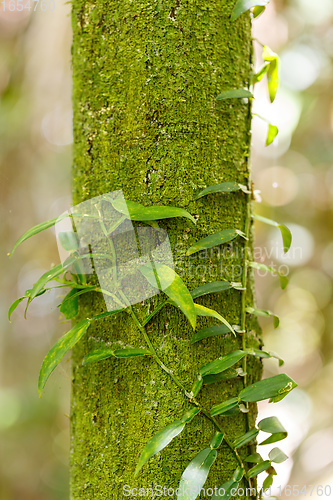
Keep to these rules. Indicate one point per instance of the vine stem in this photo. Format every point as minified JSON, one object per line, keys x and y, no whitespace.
{"x":179,"y":384}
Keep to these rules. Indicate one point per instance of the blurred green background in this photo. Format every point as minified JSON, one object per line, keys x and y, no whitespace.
{"x":294,"y":175}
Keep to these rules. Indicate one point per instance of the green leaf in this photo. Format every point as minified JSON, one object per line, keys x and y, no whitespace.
{"x":273,"y":426}
{"x":226,"y":375}
{"x":190,"y":414}
{"x":70,"y":305}
{"x":210,"y":331}
{"x":217,"y":440}
{"x":271,"y":134}
{"x":265,"y":314}
{"x":101,"y":354}
{"x":221,"y":364}
{"x":206,"y":311}
{"x":224,"y":407}
{"x":173,"y":286}
{"x":242,"y":6}
{"x":246,"y":438}
{"x":68,"y":240}
{"x":267,"y":482}
{"x":49,"y":276}
{"x":97,"y":355}
{"x":258,"y":10}
{"x":224,"y":491}
{"x":258,"y":353}
{"x":214,"y":287}
{"x":14,"y":306}
{"x":276,"y":455}
{"x":195,"y":474}
{"x":159,"y":441}
{"x":225,"y":187}
{"x":273,"y":71}
{"x":275,"y":388}
{"x":234,"y":94}
{"x":272,"y":129}
{"x":138,"y":212}
{"x":37,"y":229}
{"x":257,"y":469}
{"x":213,"y":240}
{"x":257,"y":77}
{"x":255,"y":458}
{"x":263,"y":267}
{"x":197,"y":386}
{"x":238,"y":474}
{"x":58,"y":351}
{"x":131,"y":352}
{"x":106,"y":314}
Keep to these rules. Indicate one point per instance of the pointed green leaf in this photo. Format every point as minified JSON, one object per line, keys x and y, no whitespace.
{"x":221,"y":364}
{"x":106,"y":314}
{"x":37,"y":229}
{"x":271,"y":134}
{"x":195,"y":474}
{"x":258,"y":353}
{"x":224,"y":491}
{"x":273,"y":426}
{"x":267,"y":483}
{"x":14,"y":306}
{"x":70,"y":305}
{"x":213,"y":240}
{"x":272,"y":131}
{"x":217,"y":440}
{"x":58,"y":351}
{"x":234,"y":94}
{"x":97,"y":355}
{"x":226,"y":375}
{"x":258,"y":10}
{"x":238,"y":474}
{"x":197,"y":386}
{"x":275,"y":388}
{"x":210,"y":331}
{"x":285,"y":232}
{"x":259,"y":76}
{"x":131,"y":352}
{"x":276,"y":455}
{"x":224,"y":187}
{"x":263,"y":267}
{"x":190,"y":414}
{"x":206,"y":311}
{"x":68,"y":240}
{"x":101,"y":354}
{"x":257,"y":469}
{"x":246,"y":438}
{"x":159,"y":441}
{"x":265,"y":314}
{"x":224,"y":407}
{"x":273,"y":71}
{"x":173,"y":286}
{"x":214,"y":287}
{"x":49,"y":276}
{"x":255,"y":458}
{"x":242,"y":6}
{"x":138,"y":212}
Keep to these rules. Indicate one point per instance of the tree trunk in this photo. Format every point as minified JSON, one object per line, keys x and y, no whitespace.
{"x":146,"y":120}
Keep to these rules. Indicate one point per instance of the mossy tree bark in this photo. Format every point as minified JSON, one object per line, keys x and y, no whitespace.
{"x":146,"y":77}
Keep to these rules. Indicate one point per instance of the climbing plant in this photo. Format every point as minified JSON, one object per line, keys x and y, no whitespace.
{"x":71,"y":274}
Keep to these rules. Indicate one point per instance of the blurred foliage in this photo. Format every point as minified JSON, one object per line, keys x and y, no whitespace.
{"x":294,"y":174}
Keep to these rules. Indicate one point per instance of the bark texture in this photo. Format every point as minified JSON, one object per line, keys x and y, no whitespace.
{"x":146,"y":76}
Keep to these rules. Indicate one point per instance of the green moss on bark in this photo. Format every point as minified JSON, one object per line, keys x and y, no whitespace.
{"x":146,"y":75}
